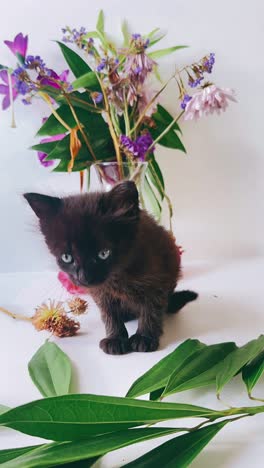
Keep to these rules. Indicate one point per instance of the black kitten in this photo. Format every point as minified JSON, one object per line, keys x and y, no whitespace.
{"x":129,"y":263}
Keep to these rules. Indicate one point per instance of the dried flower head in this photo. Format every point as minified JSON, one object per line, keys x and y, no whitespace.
{"x":77,"y":306}
{"x":52,"y":317}
{"x":209,"y":100}
{"x":63,"y":327}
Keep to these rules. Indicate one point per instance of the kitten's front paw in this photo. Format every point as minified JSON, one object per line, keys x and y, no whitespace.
{"x":115,"y":345}
{"x":143,"y":344}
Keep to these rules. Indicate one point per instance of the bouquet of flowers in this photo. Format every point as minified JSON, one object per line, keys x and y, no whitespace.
{"x":107,"y":107}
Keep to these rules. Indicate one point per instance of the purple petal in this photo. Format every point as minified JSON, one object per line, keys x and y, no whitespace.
{"x":42,"y":161}
{"x":21,"y":44}
{"x":64,"y":75}
{"x":4,"y":89}
{"x":6,"y":102}
{"x":4,"y":76}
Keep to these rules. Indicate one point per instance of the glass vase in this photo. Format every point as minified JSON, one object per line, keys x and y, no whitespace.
{"x":104,"y":175}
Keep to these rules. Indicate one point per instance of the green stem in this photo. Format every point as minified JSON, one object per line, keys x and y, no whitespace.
{"x":126,"y":117}
{"x":141,"y":117}
{"x":168,"y":200}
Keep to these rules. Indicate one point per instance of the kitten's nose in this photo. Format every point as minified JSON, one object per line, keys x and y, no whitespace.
{"x":81,"y":276}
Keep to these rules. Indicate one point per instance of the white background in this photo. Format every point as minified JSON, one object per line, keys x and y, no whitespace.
{"x":217,"y":192}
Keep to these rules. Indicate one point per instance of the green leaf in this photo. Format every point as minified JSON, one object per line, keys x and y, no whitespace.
{"x":200,"y":369}
{"x":93,"y":34}
{"x":156,"y":394}
{"x":126,"y":34}
{"x":162,"y":52}
{"x":9,"y":454}
{"x":45,"y":147}
{"x":63,"y":166}
{"x":76,"y":417}
{"x":170,"y":139}
{"x":151,"y":202}
{"x":62,"y":453}
{"x":236,"y":360}
{"x":180,"y":451}
{"x":164,"y":117}
{"x":154,"y":173}
{"x":88,"y":80}
{"x":77,"y":65}
{"x":252,"y":372}
{"x":159,"y":374}
{"x":152,"y":33}
{"x":100,"y":22}
{"x":50,"y":369}
{"x":4,"y":408}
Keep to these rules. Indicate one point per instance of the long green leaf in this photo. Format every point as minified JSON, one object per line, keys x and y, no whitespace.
{"x":162,"y":52}
{"x":88,"y":80}
{"x":63,"y":166}
{"x":9,"y":454}
{"x":200,"y":370}
{"x":45,"y":147}
{"x":62,"y":453}
{"x":178,"y":452}
{"x":158,"y":375}
{"x":75,"y":417}
{"x":236,"y":360}
{"x":125,"y":31}
{"x":252,"y":372}
{"x":150,"y":199}
{"x":77,"y":65}
{"x":100,"y":22}
{"x":163,"y":116}
{"x":51,"y":371}
{"x":169,"y":140}
{"x":155,"y":175}
{"x":4,"y":408}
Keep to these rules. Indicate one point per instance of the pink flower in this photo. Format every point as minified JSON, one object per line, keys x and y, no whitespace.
{"x":18,"y":46}
{"x":52,"y":79}
{"x":207,"y":101}
{"x":69,"y":285}
{"x":4,"y":89}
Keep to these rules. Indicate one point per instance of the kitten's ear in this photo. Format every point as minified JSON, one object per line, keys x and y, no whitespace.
{"x":43,"y":205}
{"x":123,"y":199}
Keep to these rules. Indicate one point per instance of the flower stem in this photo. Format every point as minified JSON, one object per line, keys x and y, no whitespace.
{"x":80,"y":126}
{"x":54,"y":112}
{"x":111,"y":129}
{"x":13,"y":123}
{"x":167,"y":198}
{"x":141,"y":117}
{"x":15,"y":316}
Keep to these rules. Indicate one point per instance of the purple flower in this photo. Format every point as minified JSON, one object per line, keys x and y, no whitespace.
{"x":73,"y":35}
{"x":4,"y":89}
{"x":51,"y":78}
{"x":209,"y":63}
{"x":138,"y":66}
{"x":186,"y":99}
{"x":22,"y":81}
{"x":194,"y":83}
{"x":34,"y":63}
{"x":96,"y":97}
{"x":136,"y":36}
{"x":101,"y":65}
{"x":18,"y":46}
{"x":139,"y":147}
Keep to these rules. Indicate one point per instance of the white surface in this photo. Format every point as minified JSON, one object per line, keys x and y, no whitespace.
{"x":230,"y":308}
{"x":217,"y":191}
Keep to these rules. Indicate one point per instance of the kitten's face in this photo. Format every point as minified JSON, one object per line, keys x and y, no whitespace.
{"x":90,"y":234}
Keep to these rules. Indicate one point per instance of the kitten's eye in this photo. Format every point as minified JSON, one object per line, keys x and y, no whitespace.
{"x":67,"y":258}
{"x":104,"y":254}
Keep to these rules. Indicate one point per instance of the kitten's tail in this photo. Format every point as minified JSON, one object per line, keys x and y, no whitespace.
{"x":178,"y":300}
